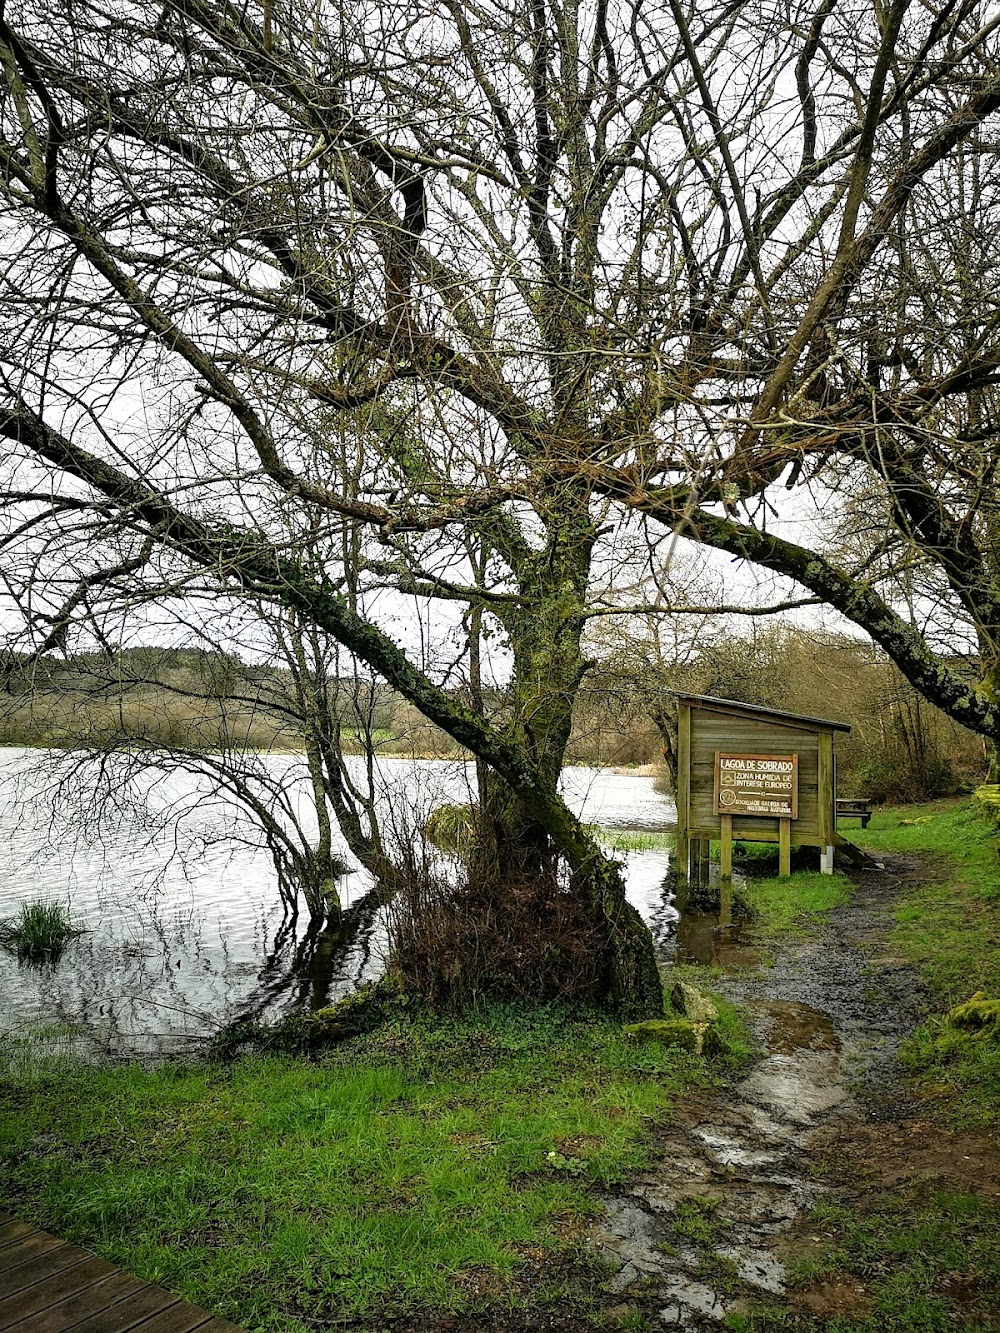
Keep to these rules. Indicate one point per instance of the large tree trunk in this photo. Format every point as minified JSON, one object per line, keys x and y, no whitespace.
{"x":515,"y":840}
{"x":988,"y":689}
{"x":664,"y":717}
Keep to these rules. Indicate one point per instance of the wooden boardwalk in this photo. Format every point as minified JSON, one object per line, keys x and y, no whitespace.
{"x":47,"y":1286}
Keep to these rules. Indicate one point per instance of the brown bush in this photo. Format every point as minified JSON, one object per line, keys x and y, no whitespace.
{"x":457,"y":940}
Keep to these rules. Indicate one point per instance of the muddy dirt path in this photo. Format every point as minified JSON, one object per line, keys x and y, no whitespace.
{"x":696,"y":1235}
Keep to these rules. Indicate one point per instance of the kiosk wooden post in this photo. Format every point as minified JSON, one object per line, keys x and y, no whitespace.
{"x":785,"y":848}
{"x":754,"y":775}
{"x":684,"y":791}
{"x":726,"y":849}
{"x":827,"y":808}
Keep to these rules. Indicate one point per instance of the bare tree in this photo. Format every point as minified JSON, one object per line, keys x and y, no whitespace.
{"x":286,"y":739}
{"x":360,"y":309}
{"x":130,"y":713}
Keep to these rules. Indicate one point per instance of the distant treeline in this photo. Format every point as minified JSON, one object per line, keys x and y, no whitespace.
{"x":900,"y":747}
{"x":188,"y":698}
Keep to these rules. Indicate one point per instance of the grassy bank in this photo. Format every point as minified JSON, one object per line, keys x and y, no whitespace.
{"x":947,"y":922}
{"x":922,"y":1258}
{"x":634,"y":840}
{"x":796,"y":904}
{"x":40,"y":930}
{"x":437,"y":1165}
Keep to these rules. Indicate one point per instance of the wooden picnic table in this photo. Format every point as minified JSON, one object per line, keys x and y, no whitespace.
{"x":854,"y":807}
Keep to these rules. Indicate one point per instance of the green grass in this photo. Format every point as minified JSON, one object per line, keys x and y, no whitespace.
{"x":927,"y":1261}
{"x":697,"y":1220}
{"x":435,"y":1165}
{"x":635,"y":840}
{"x":797,"y":903}
{"x":947,"y":922}
{"x":40,"y":930}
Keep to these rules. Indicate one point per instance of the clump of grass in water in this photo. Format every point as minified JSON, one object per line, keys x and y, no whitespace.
{"x":40,"y":930}
{"x":636,"y":840}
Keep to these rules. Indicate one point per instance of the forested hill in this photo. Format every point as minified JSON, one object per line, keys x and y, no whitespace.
{"x":172,"y":697}
{"x":900,"y":746}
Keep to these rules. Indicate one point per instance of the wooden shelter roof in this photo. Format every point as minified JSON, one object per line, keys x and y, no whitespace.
{"x":754,"y":710}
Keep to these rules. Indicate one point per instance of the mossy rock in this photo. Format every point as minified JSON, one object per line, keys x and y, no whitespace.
{"x":368,"y":1008}
{"x":987,"y":798}
{"x":701,"y":1038}
{"x":689,"y":1001}
{"x":978,"y":1016}
{"x":450,"y":828}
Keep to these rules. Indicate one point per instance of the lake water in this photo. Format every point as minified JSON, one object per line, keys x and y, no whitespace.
{"x":182,"y":924}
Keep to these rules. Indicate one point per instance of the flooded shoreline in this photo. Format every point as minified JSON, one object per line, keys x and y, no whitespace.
{"x":184,"y":929}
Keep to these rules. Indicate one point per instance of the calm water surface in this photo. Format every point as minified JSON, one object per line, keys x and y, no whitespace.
{"x":183,"y":929}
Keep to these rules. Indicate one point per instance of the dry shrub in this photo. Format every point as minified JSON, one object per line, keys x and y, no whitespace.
{"x":466,"y":937}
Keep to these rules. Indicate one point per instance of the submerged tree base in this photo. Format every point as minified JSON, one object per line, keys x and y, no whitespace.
{"x":531,"y":938}
{"x":370,"y":1007}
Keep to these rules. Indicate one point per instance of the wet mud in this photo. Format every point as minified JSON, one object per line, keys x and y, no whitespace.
{"x":703,"y":1230}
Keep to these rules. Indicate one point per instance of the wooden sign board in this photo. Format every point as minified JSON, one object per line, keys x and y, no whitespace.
{"x":757,"y":784}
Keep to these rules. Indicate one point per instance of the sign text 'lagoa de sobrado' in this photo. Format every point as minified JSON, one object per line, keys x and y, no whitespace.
{"x":757,"y":784}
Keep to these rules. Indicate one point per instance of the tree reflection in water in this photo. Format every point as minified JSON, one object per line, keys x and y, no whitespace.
{"x":708,"y":929}
{"x":313,"y":968}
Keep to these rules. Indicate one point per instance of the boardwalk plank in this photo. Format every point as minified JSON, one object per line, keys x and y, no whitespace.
{"x":133,"y":1312}
{"x":38,"y":1262}
{"x":50,"y":1286}
{"x":38,"y":1241}
{"x":93,"y":1300}
{"x":11,"y":1231}
{"x":32,"y":1300}
{"x":27,"y":1275}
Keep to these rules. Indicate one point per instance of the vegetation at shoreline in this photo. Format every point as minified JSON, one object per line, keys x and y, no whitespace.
{"x":443,"y":1164}
{"x":635,"y":840}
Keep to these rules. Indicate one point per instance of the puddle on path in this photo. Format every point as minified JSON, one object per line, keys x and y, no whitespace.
{"x":741,"y":1169}
{"x":707,"y":930}
{"x":795,"y":1027}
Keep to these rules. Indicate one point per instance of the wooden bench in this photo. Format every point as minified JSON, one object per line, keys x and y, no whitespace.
{"x":852,"y":807}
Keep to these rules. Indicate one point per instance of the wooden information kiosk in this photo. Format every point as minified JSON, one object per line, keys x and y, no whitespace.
{"x":754,"y":775}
